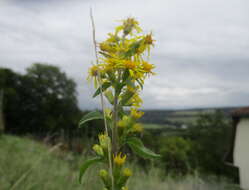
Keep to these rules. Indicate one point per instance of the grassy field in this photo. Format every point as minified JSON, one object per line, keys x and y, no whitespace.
{"x":29,"y":165}
{"x":155,"y":126}
{"x":183,"y":119}
{"x":178,"y":118}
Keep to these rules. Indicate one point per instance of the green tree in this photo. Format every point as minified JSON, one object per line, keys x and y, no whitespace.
{"x":1,"y":113}
{"x":175,"y":153}
{"x":41,"y":101}
{"x":10,"y":82}
{"x":211,"y":136}
{"x":55,"y":97}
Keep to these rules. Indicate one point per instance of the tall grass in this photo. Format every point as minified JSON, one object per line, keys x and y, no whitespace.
{"x":28,"y":165}
{"x":1,"y":113}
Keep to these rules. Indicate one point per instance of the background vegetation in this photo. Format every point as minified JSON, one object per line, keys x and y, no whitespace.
{"x":26,"y":164}
{"x":42,"y":104}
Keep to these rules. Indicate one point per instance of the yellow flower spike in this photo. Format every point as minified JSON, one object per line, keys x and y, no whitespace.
{"x":119,"y":160}
{"x":127,"y":172}
{"x":137,"y":128}
{"x":123,"y":69}
{"x":136,"y":114}
{"x":98,"y":149}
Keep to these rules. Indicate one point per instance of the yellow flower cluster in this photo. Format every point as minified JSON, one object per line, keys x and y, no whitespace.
{"x":119,"y":159}
{"x":122,"y":68}
{"x":136,"y":114}
{"x":121,"y":54}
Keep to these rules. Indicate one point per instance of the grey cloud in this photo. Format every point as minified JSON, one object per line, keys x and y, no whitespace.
{"x":201,"y":53}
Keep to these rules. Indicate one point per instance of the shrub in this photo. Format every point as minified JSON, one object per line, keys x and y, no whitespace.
{"x":175,"y":154}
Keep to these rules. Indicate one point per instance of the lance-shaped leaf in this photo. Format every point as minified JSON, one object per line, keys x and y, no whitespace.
{"x":126,"y":96}
{"x":104,"y":87}
{"x":137,"y":146}
{"x":91,"y":116}
{"x":126,"y":75}
{"x":109,"y":96}
{"x":87,"y":164}
{"x":140,"y":82}
{"x":133,"y":49}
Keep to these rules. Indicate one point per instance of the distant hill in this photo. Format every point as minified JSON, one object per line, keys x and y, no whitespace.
{"x":178,"y":118}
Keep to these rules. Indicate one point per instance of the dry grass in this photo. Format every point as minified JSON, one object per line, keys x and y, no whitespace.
{"x":32,"y":165}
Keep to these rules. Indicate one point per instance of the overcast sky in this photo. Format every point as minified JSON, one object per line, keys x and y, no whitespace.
{"x":201,"y":53}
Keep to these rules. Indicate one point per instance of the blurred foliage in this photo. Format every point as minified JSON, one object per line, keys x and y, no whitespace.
{"x":211,"y":136}
{"x":175,"y":153}
{"x":42,"y":101}
{"x":26,"y":164}
{"x":1,"y":113}
{"x":202,"y":146}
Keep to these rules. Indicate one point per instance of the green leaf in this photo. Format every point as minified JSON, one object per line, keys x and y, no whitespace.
{"x":87,"y":164}
{"x":109,"y":96}
{"x":104,"y":87}
{"x":132,"y":49}
{"x":105,"y":54}
{"x":111,"y":76}
{"x":130,"y":83}
{"x":137,"y":146}
{"x":126,"y":75}
{"x":121,"y":111}
{"x":126,"y":97}
{"x":91,"y":116}
{"x":140,"y":83}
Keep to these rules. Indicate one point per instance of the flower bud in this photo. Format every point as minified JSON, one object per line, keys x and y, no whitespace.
{"x":137,"y":128}
{"x":98,"y":149}
{"x":136,"y":114}
{"x":127,"y":172}
{"x":105,"y":178}
{"x":104,"y":141}
{"x":103,"y":173}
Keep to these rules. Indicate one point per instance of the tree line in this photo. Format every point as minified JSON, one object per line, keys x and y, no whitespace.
{"x":41,"y":101}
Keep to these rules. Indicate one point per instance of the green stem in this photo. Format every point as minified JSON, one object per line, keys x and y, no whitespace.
{"x":114,"y":127}
{"x":102,"y":101}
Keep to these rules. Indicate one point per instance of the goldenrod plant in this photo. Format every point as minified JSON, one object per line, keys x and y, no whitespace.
{"x":118,"y":75}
